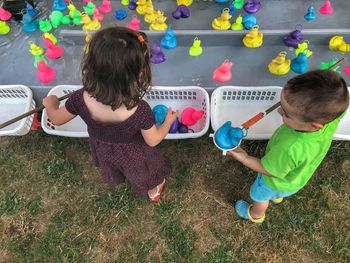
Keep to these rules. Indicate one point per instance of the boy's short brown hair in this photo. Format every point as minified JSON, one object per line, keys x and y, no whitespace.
{"x":320,"y":95}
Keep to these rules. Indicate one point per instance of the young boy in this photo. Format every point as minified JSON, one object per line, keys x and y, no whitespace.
{"x":312,"y":105}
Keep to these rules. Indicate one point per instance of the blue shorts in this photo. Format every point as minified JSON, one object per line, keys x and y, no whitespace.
{"x":261,"y":192}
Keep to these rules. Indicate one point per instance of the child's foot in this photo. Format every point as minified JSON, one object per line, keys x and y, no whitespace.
{"x":243,"y":210}
{"x":277,"y":201}
{"x":155,"y":197}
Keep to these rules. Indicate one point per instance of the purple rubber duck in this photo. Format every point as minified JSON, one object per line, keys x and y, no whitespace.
{"x":252,"y":6}
{"x":132,"y":4}
{"x":294,"y":38}
{"x":181,"y":11}
{"x":157,"y":54}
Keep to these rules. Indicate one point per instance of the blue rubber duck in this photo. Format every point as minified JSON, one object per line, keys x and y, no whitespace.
{"x":59,"y":5}
{"x":30,"y":10}
{"x":300,"y":63}
{"x":28,"y":24}
{"x":232,"y":8}
{"x":120,"y":14}
{"x":160,"y":111}
{"x":228,"y":137}
{"x":169,"y":39}
{"x":221,"y":1}
{"x":249,"y":21}
{"x":310,"y":13}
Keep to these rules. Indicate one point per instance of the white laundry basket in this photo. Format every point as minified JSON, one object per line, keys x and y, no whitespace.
{"x":176,"y":97}
{"x":14,"y":101}
{"x":239,"y":104}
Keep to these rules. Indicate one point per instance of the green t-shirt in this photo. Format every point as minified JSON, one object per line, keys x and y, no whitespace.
{"x":292,"y":157}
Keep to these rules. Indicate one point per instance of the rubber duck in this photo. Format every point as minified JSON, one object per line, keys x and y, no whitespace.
{"x":347,"y":70}
{"x":53,"y":51}
{"x":196,"y":49}
{"x":157,"y":55}
{"x":221,"y":1}
{"x":37,"y":59}
{"x":326,"y":8}
{"x":182,"y":11}
{"x":88,"y":37}
{"x":37,"y":52}
{"x":227,"y":137}
{"x":300,"y":63}
{"x":85,"y":19}
{"x":327,"y":65}
{"x":238,"y":4}
{"x":294,"y":38}
{"x":190,"y":116}
{"x":249,"y":21}
{"x":134,"y":24}
{"x":89,"y":8}
{"x":150,"y":15}
{"x":222,"y":22}
{"x":344,"y":48}
{"x":141,"y":6}
{"x":28,"y":24}
{"x":238,"y":25}
{"x":254,"y":38}
{"x":303,"y":47}
{"x":335,"y":42}
{"x":71,"y":9}
{"x":85,"y":1}
{"x":223,"y":72}
{"x":106,"y":7}
{"x":66,"y":20}
{"x":232,"y":9}
{"x":184,"y":2}
{"x":51,"y":37}
{"x":132,"y":4}
{"x":120,"y":14}
{"x":310,"y":15}
{"x":46,"y":74}
{"x":125,"y":2}
{"x":280,"y":65}
{"x":55,"y":18}
{"x":30,"y":10}
{"x":160,"y":111}
{"x":175,"y":126}
{"x":159,"y":23}
{"x":93,"y":25}
{"x":77,"y":17}
{"x":59,"y":5}
{"x":169,"y":39}
{"x":97,"y":15}
{"x":45,"y":25}
{"x":252,"y":6}
{"x":4,"y":14}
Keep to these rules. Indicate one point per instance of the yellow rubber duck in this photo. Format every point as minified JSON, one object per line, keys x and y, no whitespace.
{"x":184,"y":2}
{"x":71,"y":9}
{"x":238,"y":25}
{"x":4,"y":28}
{"x":280,"y":65}
{"x":196,"y":49}
{"x":343,"y":48}
{"x":150,"y":14}
{"x":335,"y":42}
{"x":222,"y":22}
{"x":93,"y":25}
{"x":85,"y":19}
{"x":35,"y":50}
{"x":159,"y":22}
{"x":303,"y":48}
{"x":254,"y":38}
{"x":51,"y":37}
{"x":87,"y":40}
{"x":141,"y":6}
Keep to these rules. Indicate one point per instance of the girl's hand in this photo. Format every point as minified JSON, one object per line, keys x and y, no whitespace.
{"x":51,"y":102}
{"x":239,"y":154}
{"x":171,"y":116}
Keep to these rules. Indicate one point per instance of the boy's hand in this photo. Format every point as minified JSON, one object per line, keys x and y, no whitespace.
{"x":51,"y":102}
{"x":171,"y":116}
{"x":239,"y":154}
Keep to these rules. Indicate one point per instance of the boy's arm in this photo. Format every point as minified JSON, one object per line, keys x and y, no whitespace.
{"x":251,"y":162}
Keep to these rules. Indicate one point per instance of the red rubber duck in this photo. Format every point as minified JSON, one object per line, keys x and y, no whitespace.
{"x":190,"y":116}
{"x":223,"y":72}
{"x":135,"y":24}
{"x":53,"y":51}
{"x":327,"y":8}
{"x":4,"y":14}
{"x":46,"y":74}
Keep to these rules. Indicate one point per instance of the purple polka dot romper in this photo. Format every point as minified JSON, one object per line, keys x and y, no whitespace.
{"x":119,"y":149}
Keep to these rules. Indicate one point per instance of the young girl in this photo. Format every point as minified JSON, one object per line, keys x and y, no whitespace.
{"x":116,"y":74}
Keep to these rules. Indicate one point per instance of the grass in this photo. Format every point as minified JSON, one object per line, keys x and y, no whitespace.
{"x":54,"y":208}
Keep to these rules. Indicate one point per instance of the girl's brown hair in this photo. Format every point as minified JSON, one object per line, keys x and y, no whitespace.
{"x":116,"y":69}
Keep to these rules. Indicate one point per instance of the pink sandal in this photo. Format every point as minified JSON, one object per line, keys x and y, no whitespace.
{"x":156,"y":197}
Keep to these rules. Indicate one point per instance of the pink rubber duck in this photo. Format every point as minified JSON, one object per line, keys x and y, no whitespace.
{"x":106,"y":7}
{"x":46,"y":74}
{"x":327,"y":8}
{"x":87,"y":1}
{"x":53,"y":51}
{"x":190,"y":116}
{"x":98,"y":15}
{"x":135,"y":24}
{"x":223,"y":72}
{"x":4,"y":14}
{"x":347,"y":70}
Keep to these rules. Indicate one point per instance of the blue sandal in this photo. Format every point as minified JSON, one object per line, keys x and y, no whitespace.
{"x":243,"y":210}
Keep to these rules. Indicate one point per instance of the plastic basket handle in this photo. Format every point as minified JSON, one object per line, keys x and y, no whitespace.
{"x":41,"y":107}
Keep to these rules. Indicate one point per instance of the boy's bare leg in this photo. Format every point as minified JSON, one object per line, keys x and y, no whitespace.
{"x":258,"y":209}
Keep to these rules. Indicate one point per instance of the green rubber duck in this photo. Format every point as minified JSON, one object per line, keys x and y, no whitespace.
{"x":66,"y":20}
{"x":55,"y":18}
{"x":196,"y":49}
{"x":77,"y":17}
{"x":45,"y":25}
{"x":89,"y":8}
{"x":238,"y":4}
{"x":4,"y":28}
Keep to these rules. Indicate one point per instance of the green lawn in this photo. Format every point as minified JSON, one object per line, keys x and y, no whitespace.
{"x":54,"y":208}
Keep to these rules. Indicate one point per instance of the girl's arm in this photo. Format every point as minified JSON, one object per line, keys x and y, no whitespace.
{"x":155,"y":135}
{"x":251,"y":162}
{"x":57,"y":115}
